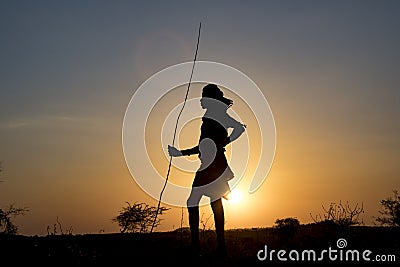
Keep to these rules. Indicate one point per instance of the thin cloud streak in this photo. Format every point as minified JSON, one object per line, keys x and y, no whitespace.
{"x":44,"y":121}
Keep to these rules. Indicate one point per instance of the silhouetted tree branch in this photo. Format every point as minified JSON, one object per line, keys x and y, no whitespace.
{"x":390,"y":213}
{"x":6,"y":224}
{"x":138,"y":218}
{"x":341,"y":214}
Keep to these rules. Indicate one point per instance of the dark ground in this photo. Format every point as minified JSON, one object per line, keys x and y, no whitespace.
{"x":172,"y":248}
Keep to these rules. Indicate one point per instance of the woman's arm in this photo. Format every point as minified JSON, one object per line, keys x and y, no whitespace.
{"x":238,"y":130}
{"x":174,"y":152}
{"x":190,"y":151}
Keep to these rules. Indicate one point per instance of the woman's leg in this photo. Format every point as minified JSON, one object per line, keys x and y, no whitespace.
{"x":219,"y":220}
{"x":194,"y":219}
{"x":194,"y":227}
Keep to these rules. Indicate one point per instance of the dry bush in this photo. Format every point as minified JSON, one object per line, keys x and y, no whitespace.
{"x":6,"y":224}
{"x":341,"y":214}
{"x":138,"y":218}
{"x":390,"y":213}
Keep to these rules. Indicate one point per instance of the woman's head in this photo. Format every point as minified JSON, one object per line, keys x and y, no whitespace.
{"x":212,"y":91}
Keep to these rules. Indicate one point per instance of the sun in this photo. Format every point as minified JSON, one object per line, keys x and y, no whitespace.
{"x":235,"y":197}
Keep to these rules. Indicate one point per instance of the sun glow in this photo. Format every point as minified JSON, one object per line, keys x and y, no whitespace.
{"x":235,"y":197}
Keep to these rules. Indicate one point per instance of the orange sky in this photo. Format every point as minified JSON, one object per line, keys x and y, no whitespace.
{"x":68,"y":72}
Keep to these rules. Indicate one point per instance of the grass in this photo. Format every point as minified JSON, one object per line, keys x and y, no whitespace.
{"x":172,"y":248}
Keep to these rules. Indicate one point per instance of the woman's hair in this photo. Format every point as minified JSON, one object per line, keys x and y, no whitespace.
{"x":212,"y":91}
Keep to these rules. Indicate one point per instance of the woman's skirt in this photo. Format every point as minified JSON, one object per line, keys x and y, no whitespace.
{"x":214,"y":178}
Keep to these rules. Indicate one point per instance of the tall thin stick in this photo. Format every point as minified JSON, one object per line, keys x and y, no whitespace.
{"x":176,"y":126}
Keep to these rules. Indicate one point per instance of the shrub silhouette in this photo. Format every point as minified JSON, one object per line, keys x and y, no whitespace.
{"x":138,"y":218}
{"x":390,"y":213}
{"x":287,"y":222}
{"x":341,"y":214}
{"x":6,"y":224}
{"x":287,"y":227}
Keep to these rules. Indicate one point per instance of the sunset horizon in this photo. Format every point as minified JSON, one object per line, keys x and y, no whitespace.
{"x":328,"y":72}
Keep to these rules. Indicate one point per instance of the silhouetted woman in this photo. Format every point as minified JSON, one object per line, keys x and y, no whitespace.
{"x":212,"y":177}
